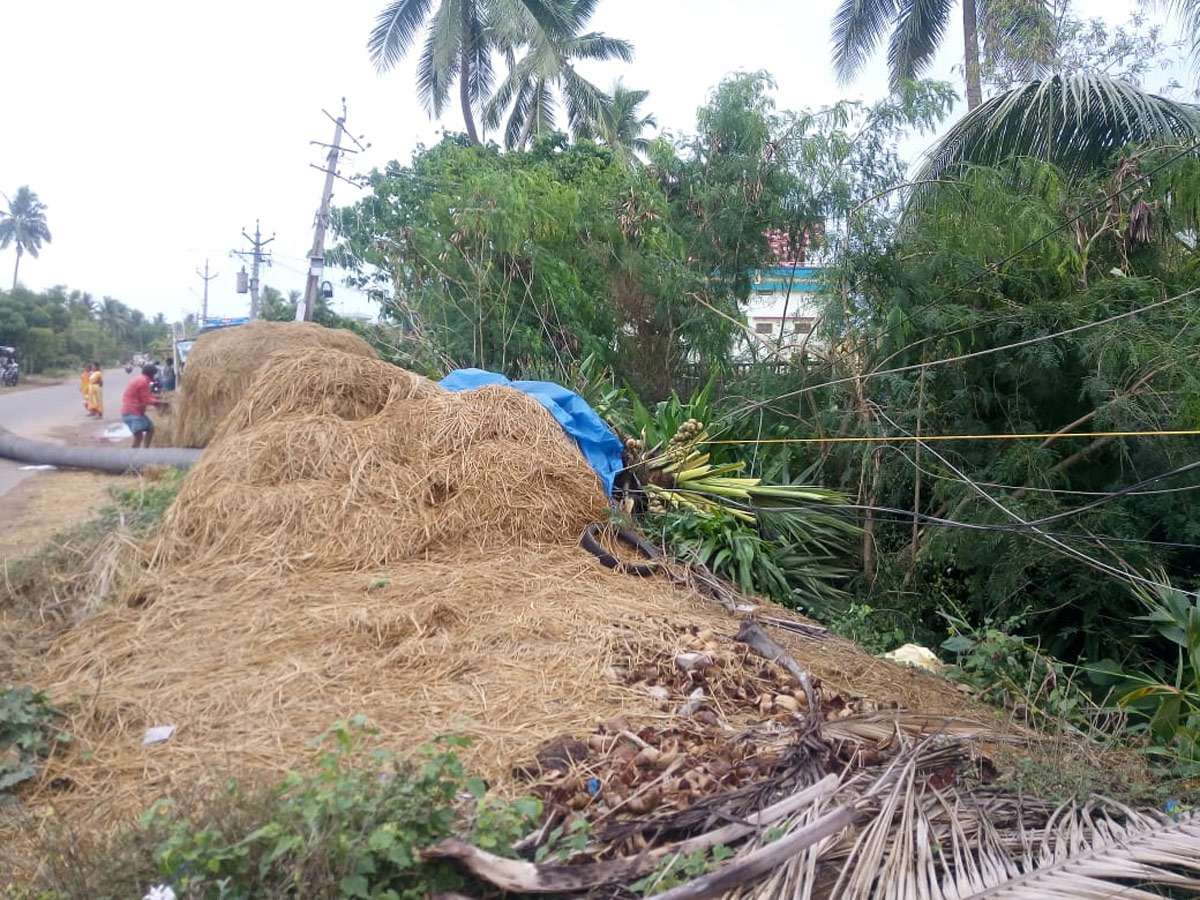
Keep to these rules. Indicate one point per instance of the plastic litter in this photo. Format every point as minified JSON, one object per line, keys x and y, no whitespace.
{"x":116,"y":432}
{"x":916,"y":655}
{"x":157,"y":734}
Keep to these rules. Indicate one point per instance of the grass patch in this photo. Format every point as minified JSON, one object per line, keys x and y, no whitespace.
{"x":352,"y":827}
{"x":78,"y":564}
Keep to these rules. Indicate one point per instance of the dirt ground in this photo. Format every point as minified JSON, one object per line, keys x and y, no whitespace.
{"x":49,"y":503}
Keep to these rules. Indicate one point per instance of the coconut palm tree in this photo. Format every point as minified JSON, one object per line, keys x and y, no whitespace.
{"x":1075,"y":122}
{"x":24,"y":225}
{"x":622,"y":125}
{"x":546,"y":66}
{"x":459,"y":44}
{"x":917,"y":28}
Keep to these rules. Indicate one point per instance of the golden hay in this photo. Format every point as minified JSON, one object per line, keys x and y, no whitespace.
{"x":224,"y":363}
{"x":363,"y":542}
{"x":345,"y":481}
{"x":314,"y":380}
{"x":513,"y":649}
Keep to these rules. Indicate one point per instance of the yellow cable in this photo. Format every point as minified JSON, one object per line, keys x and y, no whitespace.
{"x":931,"y":438}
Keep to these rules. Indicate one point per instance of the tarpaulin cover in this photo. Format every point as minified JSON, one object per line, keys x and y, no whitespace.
{"x":600,"y":447}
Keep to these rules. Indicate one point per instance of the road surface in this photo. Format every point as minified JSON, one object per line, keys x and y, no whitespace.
{"x":52,"y":414}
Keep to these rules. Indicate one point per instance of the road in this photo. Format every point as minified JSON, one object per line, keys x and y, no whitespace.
{"x":51,"y":413}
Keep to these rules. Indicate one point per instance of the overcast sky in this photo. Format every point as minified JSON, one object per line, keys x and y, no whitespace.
{"x":155,"y":131}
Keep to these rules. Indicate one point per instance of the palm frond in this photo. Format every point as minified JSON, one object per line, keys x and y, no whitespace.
{"x":438,"y":66}
{"x":522,"y":110}
{"x":395,"y":30}
{"x":903,"y":827}
{"x":1021,"y":31}
{"x":1187,"y":12}
{"x":596,"y":45}
{"x":858,"y":28}
{"x":478,"y":48}
{"x":544,"y":111}
{"x":586,"y":104}
{"x":1075,"y":122}
{"x":918,"y":32}
{"x":506,"y":93}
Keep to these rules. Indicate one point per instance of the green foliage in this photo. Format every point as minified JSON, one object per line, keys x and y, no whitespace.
{"x":529,"y":261}
{"x":62,"y":572}
{"x":1163,"y":697}
{"x":57,"y":329}
{"x":29,"y":733}
{"x":681,"y":869}
{"x":1009,"y":670}
{"x":790,"y":553}
{"x":980,"y":265}
{"x":563,"y":840}
{"x":141,"y":508}
{"x":354,"y":826}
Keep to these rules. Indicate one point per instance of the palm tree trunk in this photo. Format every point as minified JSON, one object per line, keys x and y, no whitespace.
{"x":464,"y":82}
{"x":971,"y":48}
{"x":16,"y":267}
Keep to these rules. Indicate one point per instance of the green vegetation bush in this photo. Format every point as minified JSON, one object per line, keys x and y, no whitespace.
{"x":29,"y":732}
{"x":354,"y":825}
{"x":61,"y":329}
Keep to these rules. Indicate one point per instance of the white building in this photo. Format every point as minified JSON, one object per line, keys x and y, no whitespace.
{"x":783,"y":307}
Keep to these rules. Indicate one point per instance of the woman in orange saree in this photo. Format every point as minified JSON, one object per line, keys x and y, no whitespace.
{"x":96,"y":392}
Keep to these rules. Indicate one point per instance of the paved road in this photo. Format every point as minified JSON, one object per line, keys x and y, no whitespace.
{"x":43,"y":414}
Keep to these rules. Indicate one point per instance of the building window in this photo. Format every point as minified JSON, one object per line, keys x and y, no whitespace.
{"x":764,"y":328}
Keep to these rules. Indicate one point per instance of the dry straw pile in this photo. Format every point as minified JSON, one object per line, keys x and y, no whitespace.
{"x":358,"y":541}
{"x":224,"y":363}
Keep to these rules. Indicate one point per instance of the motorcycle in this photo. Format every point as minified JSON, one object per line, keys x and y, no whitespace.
{"x":11,"y":373}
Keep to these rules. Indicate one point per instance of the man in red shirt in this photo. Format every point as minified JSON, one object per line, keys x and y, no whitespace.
{"x":134,"y":401}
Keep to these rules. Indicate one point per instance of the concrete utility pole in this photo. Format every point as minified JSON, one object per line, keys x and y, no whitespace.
{"x":207,"y":278}
{"x":316,"y":256}
{"x":256,"y":258}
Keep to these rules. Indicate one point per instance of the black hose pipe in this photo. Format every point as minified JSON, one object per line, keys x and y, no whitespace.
{"x":117,"y":460}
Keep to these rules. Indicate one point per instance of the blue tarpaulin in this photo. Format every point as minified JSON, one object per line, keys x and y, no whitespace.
{"x":600,"y":447}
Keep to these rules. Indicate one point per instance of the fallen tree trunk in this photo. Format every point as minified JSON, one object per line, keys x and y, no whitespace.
{"x":117,"y":460}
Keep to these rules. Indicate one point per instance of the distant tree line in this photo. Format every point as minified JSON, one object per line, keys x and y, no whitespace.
{"x":58,"y":328}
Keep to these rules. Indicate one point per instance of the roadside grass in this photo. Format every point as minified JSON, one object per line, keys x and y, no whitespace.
{"x":78,"y":562}
{"x":352,"y":824}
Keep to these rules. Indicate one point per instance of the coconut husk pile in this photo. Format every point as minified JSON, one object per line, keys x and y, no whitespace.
{"x":356,"y":540}
{"x":224,"y":363}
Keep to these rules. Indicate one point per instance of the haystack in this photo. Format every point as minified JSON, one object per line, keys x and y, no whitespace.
{"x":224,"y":363}
{"x":358,"y":541}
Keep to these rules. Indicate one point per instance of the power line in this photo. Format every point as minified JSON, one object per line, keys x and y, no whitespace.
{"x":1066,"y":548}
{"x":963,"y":356}
{"x":901,"y":438}
{"x":992,"y":267}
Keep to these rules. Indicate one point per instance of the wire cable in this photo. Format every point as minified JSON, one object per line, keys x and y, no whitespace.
{"x":961,"y":357}
{"x":1100,"y":565}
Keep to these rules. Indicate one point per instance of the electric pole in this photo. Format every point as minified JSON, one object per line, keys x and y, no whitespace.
{"x":316,"y":257}
{"x":207,"y":278}
{"x":256,"y":258}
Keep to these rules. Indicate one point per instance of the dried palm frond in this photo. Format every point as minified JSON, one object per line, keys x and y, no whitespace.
{"x":917,"y":839}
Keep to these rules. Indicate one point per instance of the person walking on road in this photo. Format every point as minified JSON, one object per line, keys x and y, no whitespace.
{"x":84,"y":384}
{"x":134,"y":401}
{"x":95,"y":394}
{"x":167,"y":376}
